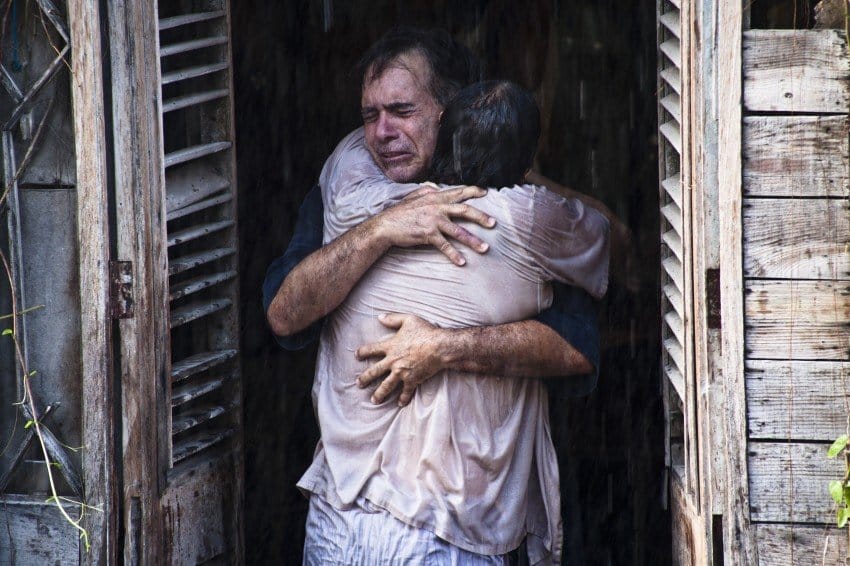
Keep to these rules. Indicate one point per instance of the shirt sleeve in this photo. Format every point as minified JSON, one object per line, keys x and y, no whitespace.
{"x":306,"y":239}
{"x":573,"y":315}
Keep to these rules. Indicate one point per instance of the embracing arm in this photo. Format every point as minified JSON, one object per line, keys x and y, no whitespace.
{"x":322,"y":281}
{"x":563,"y":341}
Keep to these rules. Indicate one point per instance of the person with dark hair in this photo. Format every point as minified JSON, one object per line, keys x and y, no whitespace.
{"x":401,"y":116}
{"x":487,"y":439}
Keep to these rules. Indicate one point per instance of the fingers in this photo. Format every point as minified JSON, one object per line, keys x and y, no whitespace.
{"x":439,"y":241}
{"x":463,"y":236}
{"x":470,"y":213}
{"x":373,"y":372}
{"x":424,"y":189}
{"x":461,"y":194}
{"x":406,"y":396}
{"x":385,"y":388}
{"x":378,"y":349}
{"x":392,"y":320}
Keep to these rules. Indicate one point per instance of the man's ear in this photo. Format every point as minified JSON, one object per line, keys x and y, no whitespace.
{"x":440,"y":117}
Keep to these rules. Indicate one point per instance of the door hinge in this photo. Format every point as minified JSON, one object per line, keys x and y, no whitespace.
{"x":121,"y":304}
{"x":712,"y":297}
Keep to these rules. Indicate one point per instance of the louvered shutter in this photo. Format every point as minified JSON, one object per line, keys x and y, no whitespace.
{"x":200,"y":209}
{"x":675,"y":245}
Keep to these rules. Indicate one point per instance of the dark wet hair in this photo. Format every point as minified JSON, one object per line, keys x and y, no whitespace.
{"x":488,"y":136}
{"x":453,"y":66}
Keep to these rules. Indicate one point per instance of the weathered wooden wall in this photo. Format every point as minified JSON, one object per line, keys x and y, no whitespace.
{"x":796,"y":232}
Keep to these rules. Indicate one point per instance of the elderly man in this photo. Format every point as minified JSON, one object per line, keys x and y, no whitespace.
{"x":409,"y":78}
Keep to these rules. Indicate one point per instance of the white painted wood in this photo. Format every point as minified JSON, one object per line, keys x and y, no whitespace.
{"x":796,"y":71}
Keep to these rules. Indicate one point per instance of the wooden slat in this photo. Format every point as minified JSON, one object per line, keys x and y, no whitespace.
{"x":673,"y":77}
{"x":781,"y":545}
{"x":676,"y":380}
{"x":796,"y":71}
{"x":198,"y":284}
{"x":674,"y":348}
{"x":796,"y":156}
{"x":800,"y":400}
{"x":186,"y":419}
{"x":190,"y":391}
{"x":803,"y":320}
{"x":191,"y":261}
{"x":194,"y":152}
{"x":670,"y":20}
{"x":788,"y":482}
{"x":677,"y":3}
{"x":671,"y":49}
{"x":673,"y":268}
{"x":799,"y":238}
{"x":190,"y":446}
{"x":674,"y":322}
{"x":673,"y":241}
{"x":193,"y":45}
{"x":671,"y":131}
{"x":188,"y":313}
{"x":202,"y":205}
{"x":199,"y":362}
{"x":192,"y":72}
{"x":673,"y":215}
{"x":674,"y":297}
{"x":191,"y":183}
{"x":673,"y":187}
{"x":195,"y":232}
{"x":185,"y":19}
{"x":672,"y":104}
{"x":193,"y":99}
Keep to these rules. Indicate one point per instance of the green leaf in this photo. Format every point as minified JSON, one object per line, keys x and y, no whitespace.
{"x":836,"y":491}
{"x":837,"y":446}
{"x":32,"y":373}
{"x":7,"y":332}
{"x":846,"y":493}
{"x":841,"y":516}
{"x":50,"y":499}
{"x":56,"y":465}
{"x":28,"y":424}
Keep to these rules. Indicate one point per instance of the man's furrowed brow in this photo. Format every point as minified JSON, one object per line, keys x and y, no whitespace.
{"x":400,"y":106}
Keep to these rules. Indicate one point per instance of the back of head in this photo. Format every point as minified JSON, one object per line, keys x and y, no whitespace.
{"x":488,"y":136}
{"x":453,"y":66}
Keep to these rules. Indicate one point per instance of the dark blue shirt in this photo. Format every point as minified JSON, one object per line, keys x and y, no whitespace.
{"x":572,"y":314}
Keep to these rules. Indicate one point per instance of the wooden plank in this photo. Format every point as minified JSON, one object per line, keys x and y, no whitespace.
{"x":192,"y":261}
{"x":797,"y":320}
{"x":738,"y":546}
{"x":799,"y":400}
{"x":186,"y":19}
{"x":672,"y":49}
{"x":192,"y":72}
{"x":672,"y":104}
{"x":188,"y":447}
{"x":799,"y":239}
{"x":193,"y":45}
{"x":673,"y":187}
{"x":199,"y":362}
{"x":673,"y":269}
{"x":796,"y":71}
{"x":199,"y":284}
{"x":34,"y":532}
{"x":185,"y":420}
{"x":673,"y":241}
{"x":673,"y":77}
{"x":672,"y":133}
{"x":191,"y":183}
{"x":793,"y":156}
{"x":145,"y":355}
{"x":670,"y":21}
{"x":195,"y":232}
{"x":781,"y":545}
{"x":190,"y":391}
{"x":194,"y":311}
{"x":195,"y":152}
{"x":788,"y":482}
{"x":198,"y":206}
{"x":188,"y":100}
{"x":675,"y":298}
{"x":98,"y":400}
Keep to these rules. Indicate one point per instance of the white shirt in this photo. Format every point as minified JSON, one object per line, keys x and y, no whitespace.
{"x":470,"y":458}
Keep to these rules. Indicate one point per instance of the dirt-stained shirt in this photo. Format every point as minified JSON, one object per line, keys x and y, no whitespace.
{"x":471,"y":457}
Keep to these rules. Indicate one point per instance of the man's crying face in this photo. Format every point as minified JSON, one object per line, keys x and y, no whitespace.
{"x":401,"y":118}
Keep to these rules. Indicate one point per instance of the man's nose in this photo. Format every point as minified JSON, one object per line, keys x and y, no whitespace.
{"x":386,"y":129}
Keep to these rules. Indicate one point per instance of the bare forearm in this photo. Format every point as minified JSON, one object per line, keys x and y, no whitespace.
{"x":520,"y":349}
{"x":320,"y":283}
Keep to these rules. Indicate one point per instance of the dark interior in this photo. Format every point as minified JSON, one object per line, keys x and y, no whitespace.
{"x":592,"y":66}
